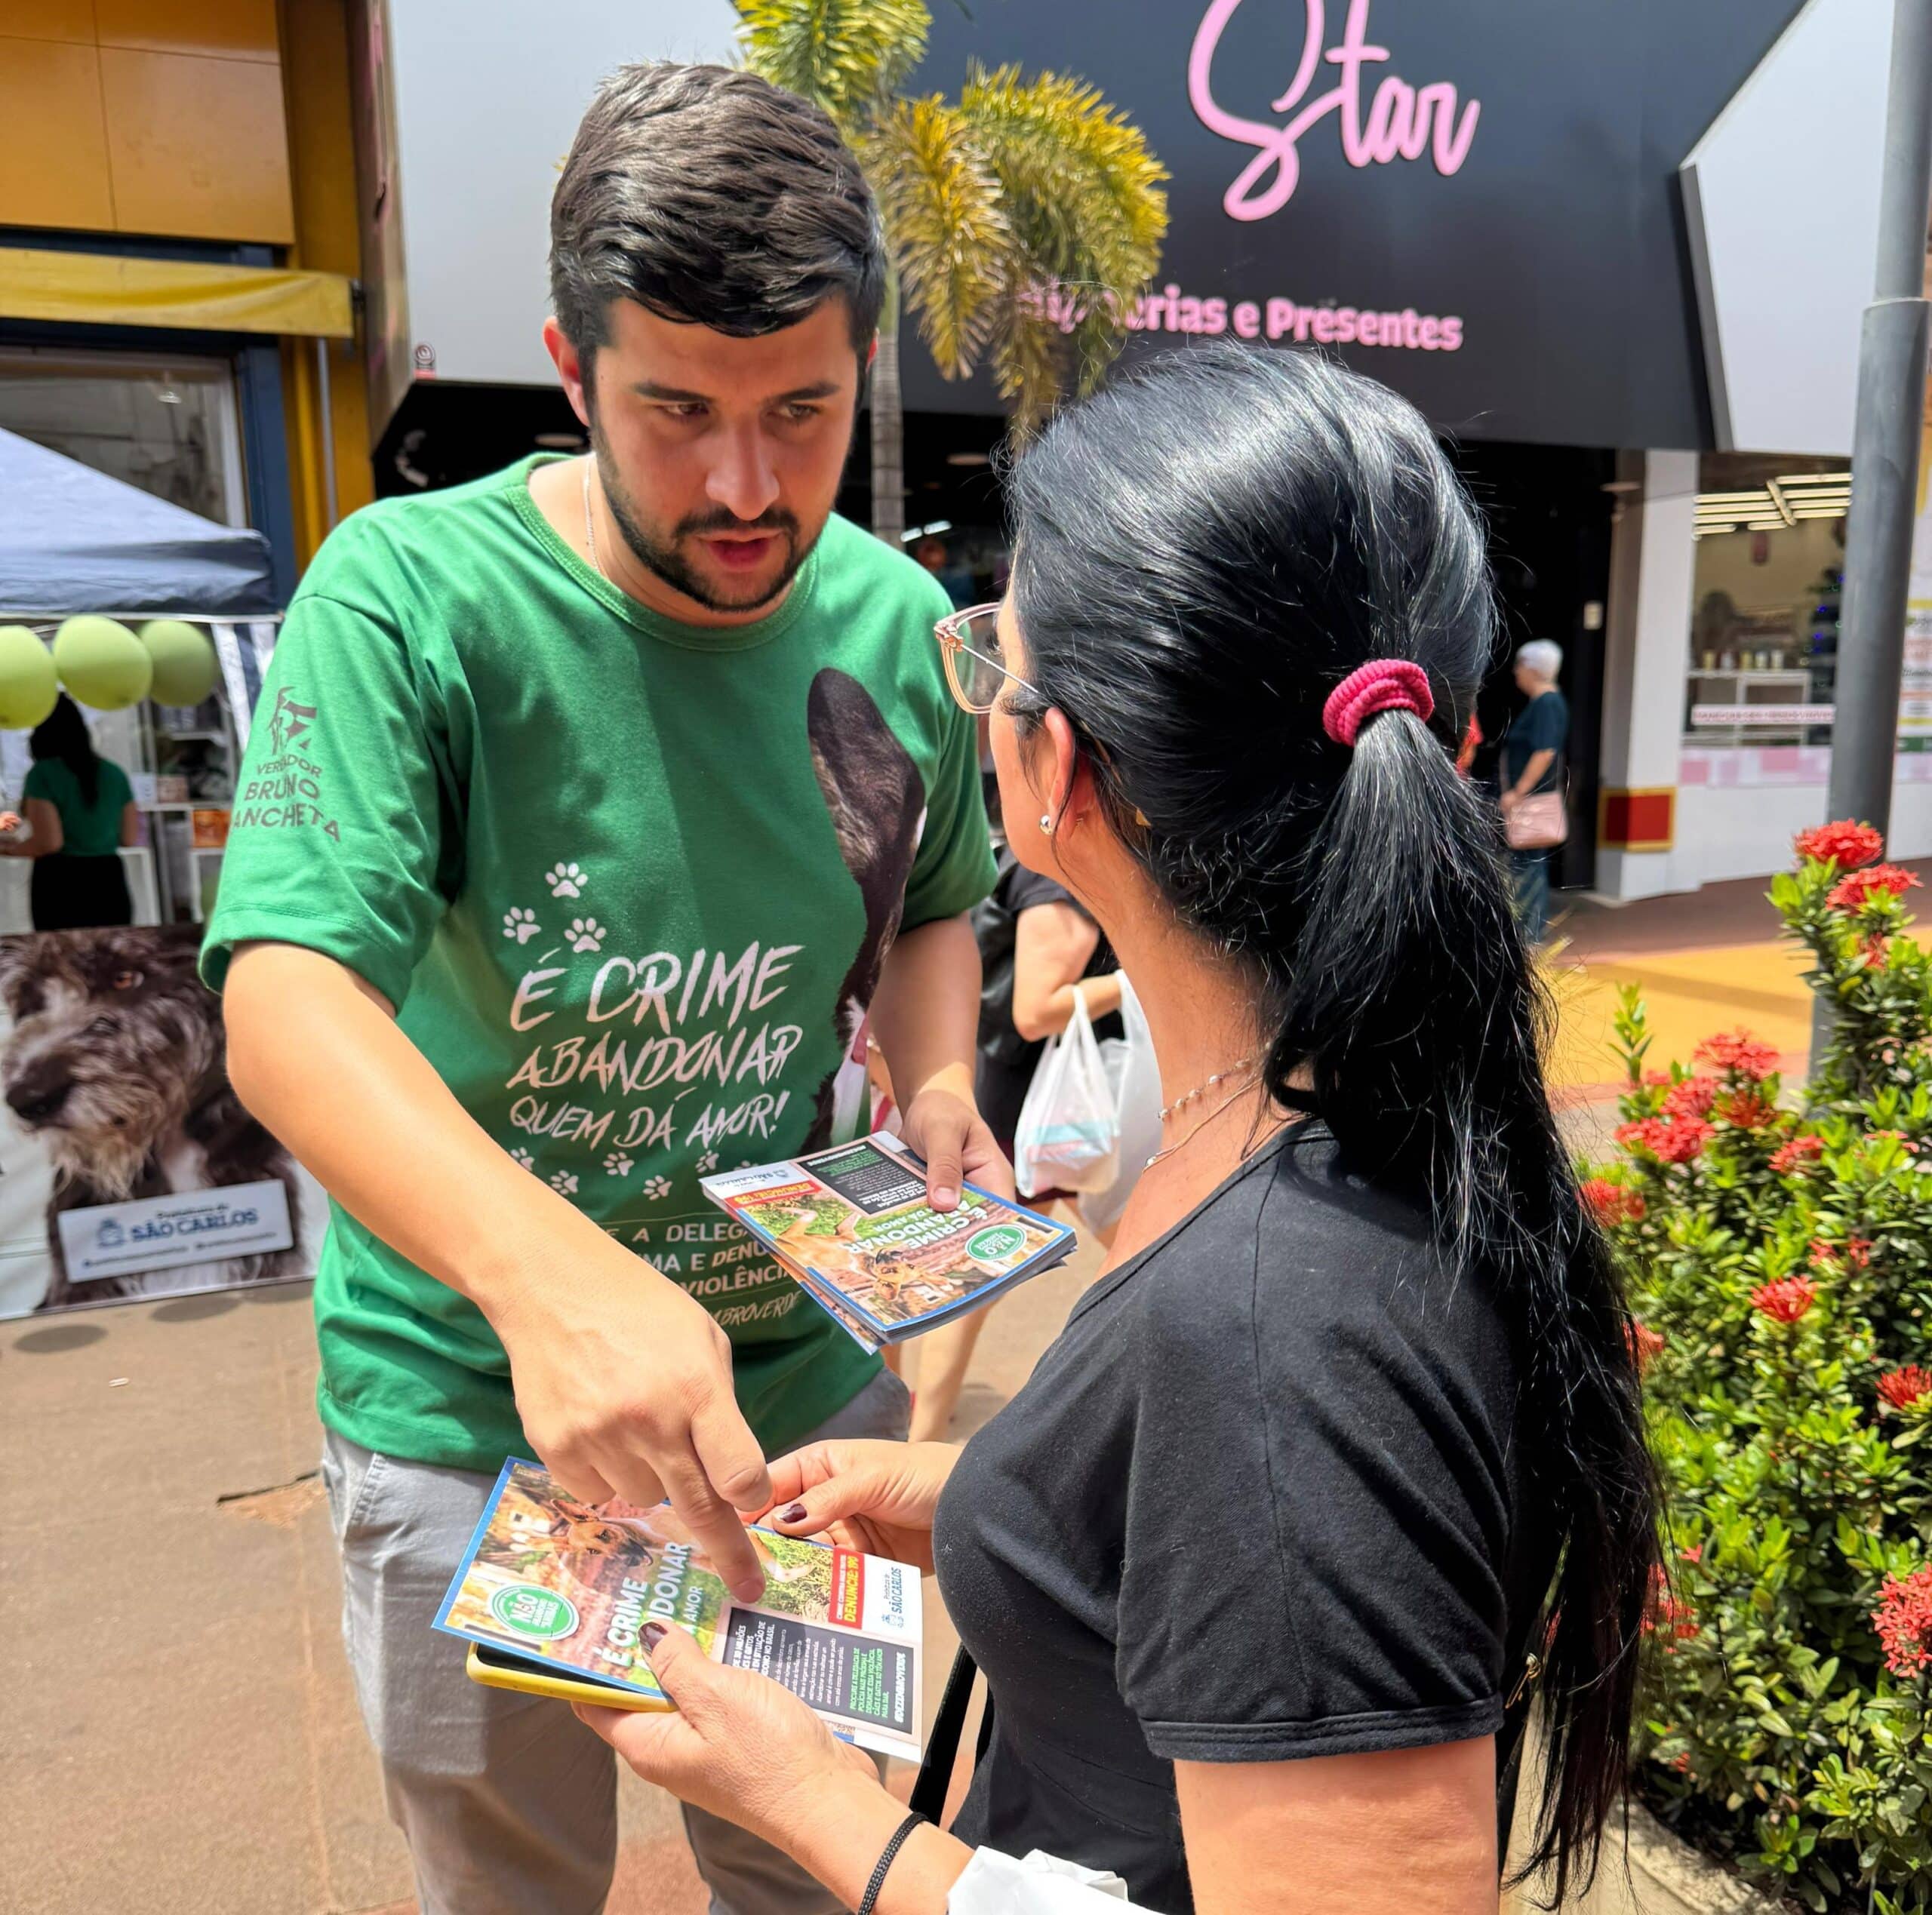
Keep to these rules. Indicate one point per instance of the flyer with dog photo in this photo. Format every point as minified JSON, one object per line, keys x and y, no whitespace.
{"x":554,"y":1581}
{"x":852,"y":1225}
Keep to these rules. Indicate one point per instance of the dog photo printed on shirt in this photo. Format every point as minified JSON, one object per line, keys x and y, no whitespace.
{"x":128,"y":1167}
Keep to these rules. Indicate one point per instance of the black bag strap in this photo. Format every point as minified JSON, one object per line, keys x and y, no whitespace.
{"x":928,"y":1795}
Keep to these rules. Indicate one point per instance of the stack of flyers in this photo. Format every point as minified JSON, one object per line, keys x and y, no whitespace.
{"x":852,"y":1226}
{"x":556,"y":1594}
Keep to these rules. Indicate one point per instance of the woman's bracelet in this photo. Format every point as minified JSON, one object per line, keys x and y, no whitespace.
{"x":892,"y":1847}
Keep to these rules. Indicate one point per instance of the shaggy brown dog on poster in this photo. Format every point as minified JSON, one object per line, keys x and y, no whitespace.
{"x":117,"y":1064}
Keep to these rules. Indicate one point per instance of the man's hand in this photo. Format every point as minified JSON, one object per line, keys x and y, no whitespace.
{"x":624,"y":1386}
{"x":945,"y":1129}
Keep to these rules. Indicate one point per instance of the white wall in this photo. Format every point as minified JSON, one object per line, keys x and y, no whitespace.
{"x":1745,"y":831}
{"x":1781,"y":200}
{"x":488,"y":94}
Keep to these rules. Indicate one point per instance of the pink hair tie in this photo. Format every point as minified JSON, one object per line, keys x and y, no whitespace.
{"x":1383,"y":684}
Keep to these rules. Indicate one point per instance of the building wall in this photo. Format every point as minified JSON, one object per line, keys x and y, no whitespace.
{"x":222,"y":121}
{"x":144,"y":116}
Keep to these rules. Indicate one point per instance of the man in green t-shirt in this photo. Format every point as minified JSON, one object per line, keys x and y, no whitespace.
{"x":588,"y":810}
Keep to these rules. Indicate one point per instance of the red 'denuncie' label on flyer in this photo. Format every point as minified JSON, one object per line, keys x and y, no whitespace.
{"x":848,"y":1588}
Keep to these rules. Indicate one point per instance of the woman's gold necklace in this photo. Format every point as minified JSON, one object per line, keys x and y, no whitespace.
{"x":1233,"y":1098}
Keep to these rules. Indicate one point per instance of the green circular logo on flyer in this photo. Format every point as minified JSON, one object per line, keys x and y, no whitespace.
{"x":541,"y":1614}
{"x":1000,"y":1241}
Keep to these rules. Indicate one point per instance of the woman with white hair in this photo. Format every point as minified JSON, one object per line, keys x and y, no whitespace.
{"x":1533,"y":814}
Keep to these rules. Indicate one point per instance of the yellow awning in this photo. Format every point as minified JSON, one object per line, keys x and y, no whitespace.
{"x":106,"y":289}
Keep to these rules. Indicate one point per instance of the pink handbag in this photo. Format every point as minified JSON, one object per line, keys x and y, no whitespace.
{"x":1538,"y":822}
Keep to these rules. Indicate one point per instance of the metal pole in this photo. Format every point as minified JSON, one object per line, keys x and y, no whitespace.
{"x":1885,"y":452}
{"x":327,"y":431}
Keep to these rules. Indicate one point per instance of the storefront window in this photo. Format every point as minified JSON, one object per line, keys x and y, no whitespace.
{"x":1762,"y":669}
{"x":167,"y":426}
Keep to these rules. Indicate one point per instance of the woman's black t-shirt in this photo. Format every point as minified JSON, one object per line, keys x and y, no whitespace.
{"x":1262,"y":1498}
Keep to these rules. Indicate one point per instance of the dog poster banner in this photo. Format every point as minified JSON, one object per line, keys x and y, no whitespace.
{"x":128,"y":1169}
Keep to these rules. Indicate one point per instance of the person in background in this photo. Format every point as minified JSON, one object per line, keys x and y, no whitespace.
{"x":1532,"y":751}
{"x":954,"y":580}
{"x":1037,"y":948}
{"x":80,"y":811}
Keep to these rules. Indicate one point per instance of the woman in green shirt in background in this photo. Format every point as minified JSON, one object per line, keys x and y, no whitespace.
{"x":81,"y":810}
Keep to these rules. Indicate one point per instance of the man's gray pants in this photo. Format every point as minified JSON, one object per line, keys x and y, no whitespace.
{"x":508,"y":1803}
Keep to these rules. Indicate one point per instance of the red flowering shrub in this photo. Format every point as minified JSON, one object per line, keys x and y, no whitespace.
{"x":1690,"y":1097}
{"x":1646,"y":1343}
{"x":1778,"y":1248}
{"x":1738,"y":1051}
{"x":1845,"y":843}
{"x":1903,"y":1619}
{"x":1786,"y":1301}
{"x":1671,"y":1140}
{"x":1612,"y":1203}
{"x":1856,"y":888}
{"x":1801,"y":1150}
{"x":1907,"y":1387}
{"x":1744,"y":1110}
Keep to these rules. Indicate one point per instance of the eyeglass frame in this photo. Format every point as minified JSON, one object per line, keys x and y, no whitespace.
{"x":952,"y":641}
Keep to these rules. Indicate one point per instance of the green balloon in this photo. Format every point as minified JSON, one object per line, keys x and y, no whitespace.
{"x":184,"y":661}
{"x":29,"y":686}
{"x":102,"y":663}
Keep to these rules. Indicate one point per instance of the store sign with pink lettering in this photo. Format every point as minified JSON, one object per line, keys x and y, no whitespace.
{"x":1476,"y":201}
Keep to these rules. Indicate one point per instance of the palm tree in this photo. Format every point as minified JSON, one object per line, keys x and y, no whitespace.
{"x":1022,"y":220}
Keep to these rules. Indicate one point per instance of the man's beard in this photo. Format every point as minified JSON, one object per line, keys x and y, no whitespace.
{"x":663,"y":558}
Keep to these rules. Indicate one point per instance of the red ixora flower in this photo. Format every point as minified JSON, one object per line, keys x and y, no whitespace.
{"x":1903,"y":1619}
{"x":1801,"y":1150}
{"x":1745,"y":1110}
{"x":1671,"y":1140}
{"x":1739,"y":1051}
{"x":1847,"y":841}
{"x":1681,"y":1762}
{"x":1645,"y":1343}
{"x":1659,"y":1080}
{"x":1903,"y":1388}
{"x":1897,"y":1136}
{"x":1857,"y":888}
{"x":1857,"y":1253}
{"x":1667,"y":1615}
{"x":1692,"y":1552}
{"x":1785,"y":1301}
{"x":1612,"y":1203}
{"x":1690,"y":1097}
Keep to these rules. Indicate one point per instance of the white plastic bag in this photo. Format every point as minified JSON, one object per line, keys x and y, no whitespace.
{"x":996,"y":1884}
{"x":1135,"y":1075}
{"x":1068,"y":1136}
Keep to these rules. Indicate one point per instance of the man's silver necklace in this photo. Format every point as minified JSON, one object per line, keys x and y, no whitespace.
{"x":590,"y":525}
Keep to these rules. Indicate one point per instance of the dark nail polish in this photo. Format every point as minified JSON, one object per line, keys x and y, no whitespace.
{"x":796,"y":1514}
{"x":652,"y":1634}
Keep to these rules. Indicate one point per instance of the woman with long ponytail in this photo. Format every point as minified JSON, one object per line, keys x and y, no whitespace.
{"x":1337,"y":1472}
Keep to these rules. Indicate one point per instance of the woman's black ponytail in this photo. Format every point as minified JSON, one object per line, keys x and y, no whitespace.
{"x":1204,"y":551}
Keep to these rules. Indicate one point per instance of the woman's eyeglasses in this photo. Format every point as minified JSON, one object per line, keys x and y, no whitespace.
{"x":969,"y":642}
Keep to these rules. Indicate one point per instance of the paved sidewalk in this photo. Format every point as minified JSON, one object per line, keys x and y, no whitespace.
{"x":181,"y":1738}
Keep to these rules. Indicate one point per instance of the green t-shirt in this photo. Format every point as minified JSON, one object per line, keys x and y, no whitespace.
{"x":87,"y":831}
{"x":629,"y":882}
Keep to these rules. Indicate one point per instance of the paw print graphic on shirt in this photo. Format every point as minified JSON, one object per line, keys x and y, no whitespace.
{"x":566,"y":880}
{"x":708,"y":1162}
{"x":525,"y":1158}
{"x":520,"y":924}
{"x":655,"y":1187}
{"x":617,"y":1164}
{"x":586,"y":934}
{"x":564,"y":1184}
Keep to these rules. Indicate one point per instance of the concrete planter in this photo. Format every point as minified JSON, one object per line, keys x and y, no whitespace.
{"x":1658,"y":1874}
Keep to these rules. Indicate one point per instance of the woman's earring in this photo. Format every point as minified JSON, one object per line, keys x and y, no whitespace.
{"x":1047,"y":823}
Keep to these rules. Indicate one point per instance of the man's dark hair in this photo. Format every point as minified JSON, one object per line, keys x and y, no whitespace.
{"x":711,"y":197}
